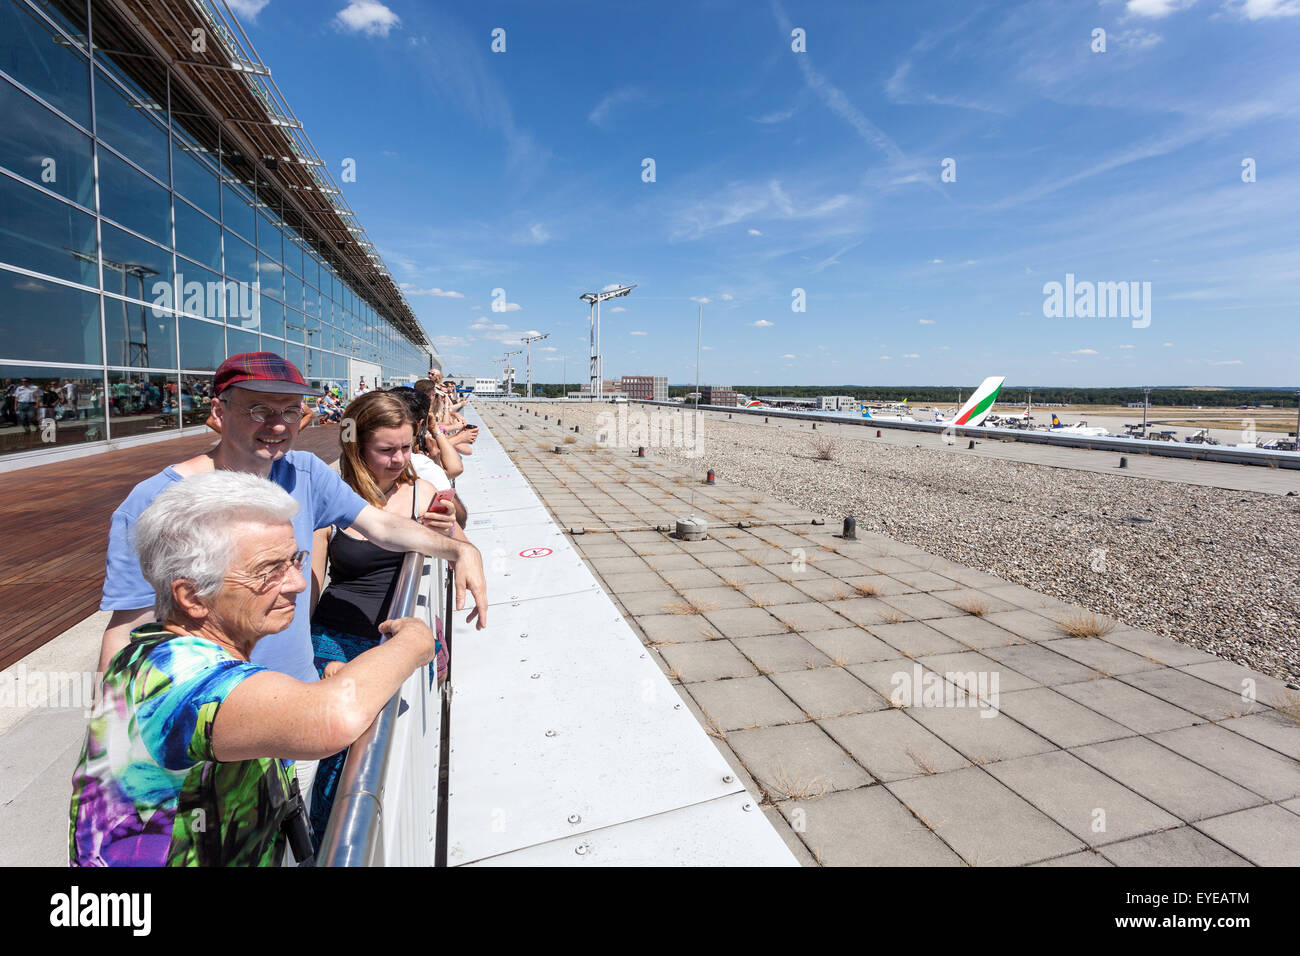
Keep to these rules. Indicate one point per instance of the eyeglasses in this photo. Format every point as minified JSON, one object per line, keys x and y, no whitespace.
{"x":262,"y":414}
{"x":273,"y":575}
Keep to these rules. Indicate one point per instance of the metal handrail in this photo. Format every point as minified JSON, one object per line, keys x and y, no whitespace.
{"x":352,"y":836}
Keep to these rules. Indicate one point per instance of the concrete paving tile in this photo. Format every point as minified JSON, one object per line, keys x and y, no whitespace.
{"x":1242,"y":681}
{"x":1021,"y":596}
{"x":974,"y":632}
{"x":890,"y":565}
{"x":866,"y":611}
{"x":914,"y":639}
{"x":1089,"y":804}
{"x":825,"y":589}
{"x":1038,"y":663}
{"x":792,"y":841}
{"x":608,"y":549}
{"x":967,"y":666}
{"x":676,"y":628}
{"x":1135,"y":709}
{"x":722,"y":561}
{"x":965,"y":599}
{"x":891,"y":745}
{"x":1027,"y":624}
{"x":840,"y":568}
{"x":35,"y":744}
{"x":796,"y":761}
{"x":777,"y":653}
{"x":699,"y":578}
{"x":807,"y":617}
{"x":644,"y":603}
{"x":1190,"y":693}
{"x":880,"y":584}
{"x":713,"y":547}
{"x":1269,"y":728}
{"x":1100,"y":655}
{"x":636,"y":581}
{"x":747,"y":574}
{"x":866,"y":827}
{"x":1183,"y":846}
{"x":1292,"y":805}
{"x":1059,"y":719}
{"x":885,"y":675}
{"x":850,"y":645}
{"x":1171,"y":782}
{"x":982,"y":820}
{"x":673,"y":562}
{"x":980,"y":739}
{"x":745,"y":622}
{"x":829,"y":692}
{"x":1266,"y":836}
{"x":1240,"y":759}
{"x":713,"y":599}
{"x":745,"y":702}
{"x":926,"y":581}
{"x":1157,"y":648}
{"x":707,"y":660}
{"x":774,"y":592}
{"x":970,"y":577}
{"x":922,"y":607}
{"x":619,"y":565}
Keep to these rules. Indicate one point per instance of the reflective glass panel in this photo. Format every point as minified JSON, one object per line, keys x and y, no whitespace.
{"x":136,"y":268}
{"x":40,"y":233}
{"x":201,"y":292}
{"x":203,"y":344}
{"x":197,"y":236}
{"x":44,"y":148}
{"x":133,"y":199}
{"x":39,"y":58}
{"x":236,"y":212}
{"x":237,"y":341}
{"x":241,"y":259}
{"x":139,"y":335}
{"x":49,"y":322}
{"x":43,"y":407}
{"x":193,"y":180}
{"x":195,"y":398}
{"x":272,"y":317}
{"x":141,"y":402}
{"x":126,"y":123}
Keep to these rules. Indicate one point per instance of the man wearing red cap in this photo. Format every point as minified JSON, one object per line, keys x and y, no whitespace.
{"x":258,"y":411}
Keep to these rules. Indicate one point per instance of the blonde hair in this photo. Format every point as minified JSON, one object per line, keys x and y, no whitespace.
{"x":367,"y":414}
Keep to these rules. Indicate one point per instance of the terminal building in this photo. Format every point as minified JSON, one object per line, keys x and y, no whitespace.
{"x":718,"y":395}
{"x":160,"y":209}
{"x":645,"y":388}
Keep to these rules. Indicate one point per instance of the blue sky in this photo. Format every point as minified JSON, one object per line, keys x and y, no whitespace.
{"x":821,"y":170}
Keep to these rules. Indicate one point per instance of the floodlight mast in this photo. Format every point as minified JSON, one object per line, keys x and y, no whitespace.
{"x":528,"y":340}
{"x":594,"y":299}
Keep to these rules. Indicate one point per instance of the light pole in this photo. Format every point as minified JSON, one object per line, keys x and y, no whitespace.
{"x":508,"y":373}
{"x":528,"y":340}
{"x":1146,"y":400}
{"x":594,"y":299}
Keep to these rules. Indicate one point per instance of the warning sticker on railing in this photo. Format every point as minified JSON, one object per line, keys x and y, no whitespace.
{"x":535,"y":552}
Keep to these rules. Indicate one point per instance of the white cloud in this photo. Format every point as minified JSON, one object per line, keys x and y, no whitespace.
{"x":780,"y":116}
{"x":887,"y":358}
{"x":506,"y":306}
{"x":537,"y":233}
{"x":1123,"y":346}
{"x":701,"y":299}
{"x":726,"y":297}
{"x":611,"y":103}
{"x":754,"y":232}
{"x":638,"y":333}
{"x":1260,"y":9}
{"x":367,"y":16}
{"x":1156,"y":9}
{"x":762,"y":324}
{"x":1169,"y":345}
{"x":706,"y":348}
{"x":1137,"y":38}
{"x":618,"y":308}
{"x":248,"y":8}
{"x":612,"y":286}
{"x":936,"y":262}
{"x":410,"y":289}
{"x":449,"y":341}
{"x":1229,"y":362}
{"x":1084,"y":352}
{"x":487,"y":326}
{"x":911,"y":355}
{"x":789,"y":356}
{"x":925,"y":321}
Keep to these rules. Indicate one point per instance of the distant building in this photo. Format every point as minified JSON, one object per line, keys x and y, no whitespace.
{"x":609,"y":390}
{"x":835,"y":403}
{"x":717,"y":395}
{"x":646,"y":388}
{"x":487,"y":386}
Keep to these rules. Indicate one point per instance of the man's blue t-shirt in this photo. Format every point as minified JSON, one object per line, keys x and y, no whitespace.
{"x":323,"y":498}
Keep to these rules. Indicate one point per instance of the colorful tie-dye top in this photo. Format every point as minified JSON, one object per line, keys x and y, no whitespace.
{"x":148,"y":790}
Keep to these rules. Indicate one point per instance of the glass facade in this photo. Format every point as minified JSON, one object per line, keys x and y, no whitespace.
{"x":136,"y":252}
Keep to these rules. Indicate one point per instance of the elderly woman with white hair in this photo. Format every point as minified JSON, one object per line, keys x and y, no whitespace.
{"x":185,"y":762}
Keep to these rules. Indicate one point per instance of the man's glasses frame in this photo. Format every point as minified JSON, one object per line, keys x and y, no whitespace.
{"x":263,"y":414}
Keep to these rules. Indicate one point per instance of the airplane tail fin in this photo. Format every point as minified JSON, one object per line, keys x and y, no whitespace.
{"x":980,"y":404}
{"x":866,"y":412}
{"x":1056,"y":422}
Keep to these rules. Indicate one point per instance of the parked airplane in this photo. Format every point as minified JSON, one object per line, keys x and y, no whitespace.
{"x":1078,"y":428}
{"x":974,"y":412}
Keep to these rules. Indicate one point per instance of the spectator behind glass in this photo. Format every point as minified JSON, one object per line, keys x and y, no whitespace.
{"x":346,"y":619}
{"x":185,"y":761}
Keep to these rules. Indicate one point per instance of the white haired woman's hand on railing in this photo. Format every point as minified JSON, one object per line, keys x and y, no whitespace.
{"x":412,"y":628}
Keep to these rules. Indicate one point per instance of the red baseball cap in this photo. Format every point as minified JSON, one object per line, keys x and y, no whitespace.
{"x":261,"y":372}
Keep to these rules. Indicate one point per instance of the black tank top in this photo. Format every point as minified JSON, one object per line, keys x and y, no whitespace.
{"x":362,"y":578}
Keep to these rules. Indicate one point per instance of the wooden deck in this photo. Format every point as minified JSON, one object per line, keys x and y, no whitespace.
{"x":54,"y":528}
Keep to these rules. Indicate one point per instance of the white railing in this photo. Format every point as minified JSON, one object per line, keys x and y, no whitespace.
{"x":385,"y":809}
